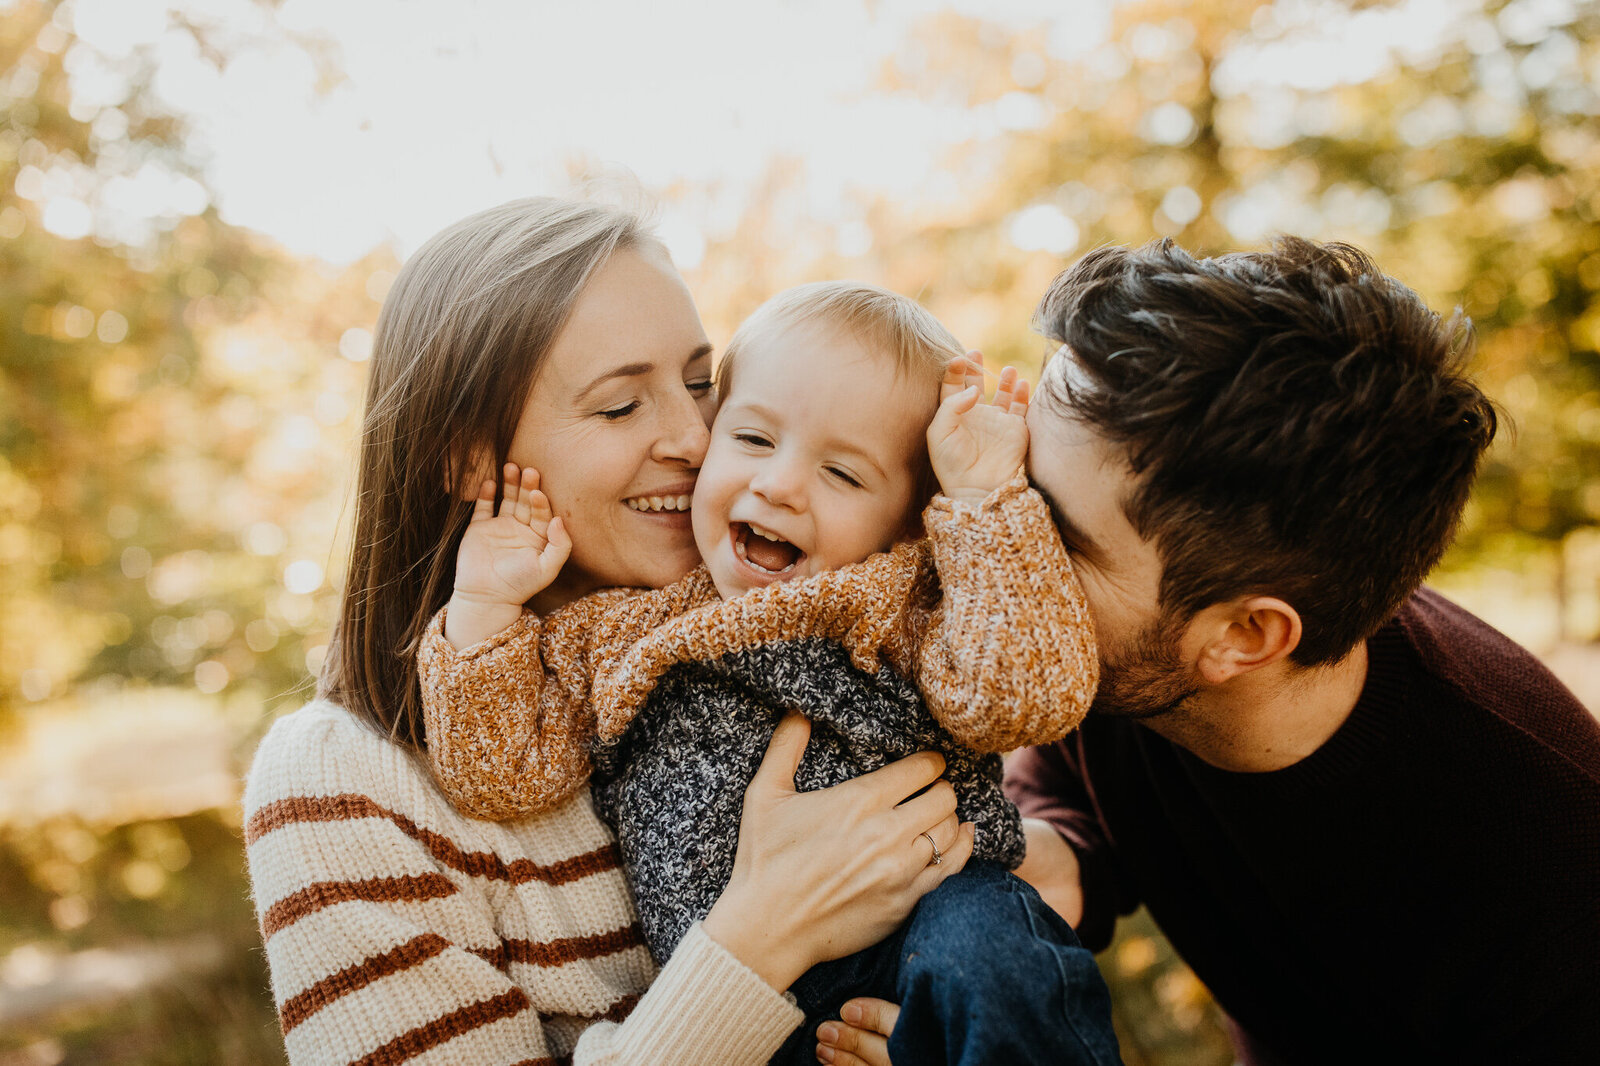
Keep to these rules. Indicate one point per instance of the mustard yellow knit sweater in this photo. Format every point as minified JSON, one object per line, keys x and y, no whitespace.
{"x":986,"y":615}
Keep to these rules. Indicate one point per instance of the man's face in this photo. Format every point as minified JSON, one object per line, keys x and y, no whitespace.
{"x":1085,"y":478}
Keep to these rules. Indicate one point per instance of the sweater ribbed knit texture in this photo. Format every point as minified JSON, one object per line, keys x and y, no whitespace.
{"x":686,"y":689}
{"x":399,"y":930}
{"x":986,"y":617}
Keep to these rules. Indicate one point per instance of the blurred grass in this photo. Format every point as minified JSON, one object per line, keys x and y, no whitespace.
{"x":72,"y":892}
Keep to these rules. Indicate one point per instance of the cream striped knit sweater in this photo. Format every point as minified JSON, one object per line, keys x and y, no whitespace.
{"x":398,"y":929}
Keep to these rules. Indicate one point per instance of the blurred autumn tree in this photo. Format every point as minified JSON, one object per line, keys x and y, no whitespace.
{"x":164,"y":435}
{"x":1456,"y":141}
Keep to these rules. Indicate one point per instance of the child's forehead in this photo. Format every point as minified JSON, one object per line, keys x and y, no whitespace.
{"x":855,"y":388}
{"x":825,"y":344}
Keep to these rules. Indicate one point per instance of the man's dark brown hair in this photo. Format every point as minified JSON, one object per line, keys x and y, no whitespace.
{"x":1299,"y":424}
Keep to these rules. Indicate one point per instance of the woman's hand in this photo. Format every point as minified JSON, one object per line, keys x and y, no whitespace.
{"x":862,"y":1037}
{"x":505,"y":559}
{"x":821,"y":874}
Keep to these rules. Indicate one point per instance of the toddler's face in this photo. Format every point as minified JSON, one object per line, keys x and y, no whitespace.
{"x":813,"y":458}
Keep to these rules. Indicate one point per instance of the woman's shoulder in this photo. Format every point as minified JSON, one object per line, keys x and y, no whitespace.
{"x":321,"y":749}
{"x":321,"y":762}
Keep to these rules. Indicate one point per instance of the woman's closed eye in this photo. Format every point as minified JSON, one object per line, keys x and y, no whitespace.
{"x":614,"y":413}
{"x":755,"y":440}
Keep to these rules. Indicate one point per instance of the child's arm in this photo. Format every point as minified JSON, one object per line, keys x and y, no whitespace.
{"x":1007,"y":658}
{"x":504,"y":693}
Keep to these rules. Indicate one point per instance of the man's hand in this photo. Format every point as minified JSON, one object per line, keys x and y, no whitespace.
{"x":976,"y":447}
{"x":1051,"y":867}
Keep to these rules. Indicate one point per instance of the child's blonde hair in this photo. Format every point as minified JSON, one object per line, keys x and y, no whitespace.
{"x":896,"y":324}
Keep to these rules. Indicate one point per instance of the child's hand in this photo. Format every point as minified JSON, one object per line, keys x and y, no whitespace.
{"x":977,"y":447}
{"x":505,"y":559}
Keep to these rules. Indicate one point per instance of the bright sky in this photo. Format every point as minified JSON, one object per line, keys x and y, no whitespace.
{"x":447,"y":106}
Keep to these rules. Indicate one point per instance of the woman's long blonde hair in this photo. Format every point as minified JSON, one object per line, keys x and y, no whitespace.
{"x":460,"y":340}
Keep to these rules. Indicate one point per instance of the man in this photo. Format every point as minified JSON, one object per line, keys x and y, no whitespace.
{"x":1369,"y":822}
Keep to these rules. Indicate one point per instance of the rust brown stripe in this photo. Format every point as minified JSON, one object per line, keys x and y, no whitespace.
{"x":313,"y":898}
{"x":562,"y":951}
{"x":547,"y":1061}
{"x":614,"y":1013}
{"x":302,"y":1005}
{"x":620,"y":1009}
{"x":485,"y":864}
{"x":410,"y":1044}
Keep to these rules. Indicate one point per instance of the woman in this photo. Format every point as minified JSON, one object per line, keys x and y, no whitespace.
{"x":557,"y":336}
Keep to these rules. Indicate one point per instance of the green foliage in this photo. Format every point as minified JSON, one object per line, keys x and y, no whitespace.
{"x":160,"y":445}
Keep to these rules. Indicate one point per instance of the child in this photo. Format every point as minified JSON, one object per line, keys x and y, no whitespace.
{"x":815,"y":596}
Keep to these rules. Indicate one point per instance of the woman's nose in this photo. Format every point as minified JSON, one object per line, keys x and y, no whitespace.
{"x":682,"y":436}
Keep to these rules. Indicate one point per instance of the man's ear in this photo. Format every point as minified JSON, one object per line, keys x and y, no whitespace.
{"x":1243,"y":635}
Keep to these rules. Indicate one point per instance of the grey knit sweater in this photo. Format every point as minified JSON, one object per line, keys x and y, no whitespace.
{"x":672,"y":786}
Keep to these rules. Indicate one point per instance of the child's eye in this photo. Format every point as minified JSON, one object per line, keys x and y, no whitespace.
{"x":844,"y":477}
{"x":620,"y":412}
{"x":699,"y":388}
{"x":753,"y":439}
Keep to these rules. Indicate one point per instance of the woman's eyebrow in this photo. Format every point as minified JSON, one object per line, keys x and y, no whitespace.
{"x":633,"y":370}
{"x":627,"y":370}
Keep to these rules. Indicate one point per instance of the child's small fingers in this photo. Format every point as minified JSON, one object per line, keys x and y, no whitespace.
{"x":955,"y":378}
{"x":527,"y":486}
{"x":1020,"y":396}
{"x":975,"y":369}
{"x":556,"y":535}
{"x":509,"y":475}
{"x":538,"y":507}
{"x":1003,"y":391}
{"x":557,"y":546}
{"x":483,"y":506}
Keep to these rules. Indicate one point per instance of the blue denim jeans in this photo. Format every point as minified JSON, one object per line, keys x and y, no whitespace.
{"x":984,"y":972}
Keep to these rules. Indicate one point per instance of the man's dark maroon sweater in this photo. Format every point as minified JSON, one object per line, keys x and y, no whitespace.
{"x":1425,"y":887}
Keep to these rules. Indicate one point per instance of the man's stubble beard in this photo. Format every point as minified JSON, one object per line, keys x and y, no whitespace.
{"x":1145,"y":677}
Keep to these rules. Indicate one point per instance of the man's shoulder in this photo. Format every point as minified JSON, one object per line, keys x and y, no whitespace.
{"x":1479,"y":668}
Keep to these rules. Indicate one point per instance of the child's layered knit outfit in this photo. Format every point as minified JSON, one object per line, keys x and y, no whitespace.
{"x":672,"y":695}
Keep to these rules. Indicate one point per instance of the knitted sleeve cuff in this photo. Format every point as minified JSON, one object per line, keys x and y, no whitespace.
{"x":1002,"y":497}
{"x":705,"y":1006}
{"x":435,"y":648}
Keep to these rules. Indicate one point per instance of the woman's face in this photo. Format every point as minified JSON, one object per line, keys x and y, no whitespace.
{"x":615,"y":423}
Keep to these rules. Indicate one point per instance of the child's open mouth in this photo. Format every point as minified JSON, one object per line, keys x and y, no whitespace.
{"x":764,"y":551}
